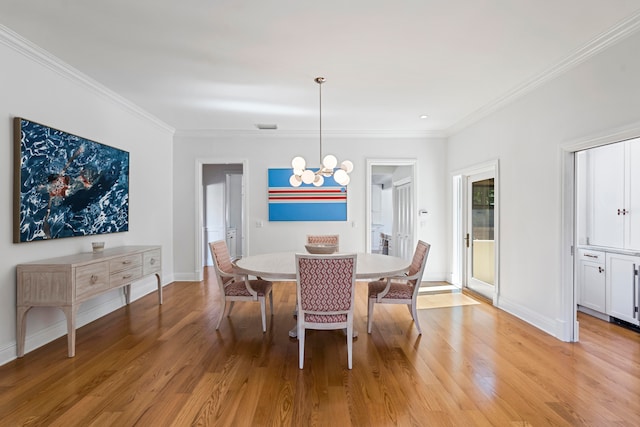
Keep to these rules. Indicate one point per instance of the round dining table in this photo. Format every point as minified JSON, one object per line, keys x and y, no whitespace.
{"x":282,"y":265}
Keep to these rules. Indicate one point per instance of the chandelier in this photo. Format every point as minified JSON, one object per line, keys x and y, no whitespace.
{"x":327,"y":167}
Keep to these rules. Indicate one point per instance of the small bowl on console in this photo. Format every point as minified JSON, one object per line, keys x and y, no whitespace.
{"x":97,"y":247}
{"x":321,"y":248}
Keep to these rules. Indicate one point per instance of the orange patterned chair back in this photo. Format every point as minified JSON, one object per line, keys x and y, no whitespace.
{"x":325,"y":287}
{"x":221,"y":261}
{"x":419,"y":260}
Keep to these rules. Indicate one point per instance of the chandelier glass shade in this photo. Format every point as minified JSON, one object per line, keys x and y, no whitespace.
{"x":328,"y":166}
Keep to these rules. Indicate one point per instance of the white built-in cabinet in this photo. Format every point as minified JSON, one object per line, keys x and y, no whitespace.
{"x":622,"y":287}
{"x":613,"y":195}
{"x":607,"y":267}
{"x":591,"y":280}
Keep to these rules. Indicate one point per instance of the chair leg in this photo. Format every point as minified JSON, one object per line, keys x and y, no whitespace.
{"x":301,"y":334}
{"x":370,"y":315}
{"x":271,"y":302}
{"x":350,"y":344}
{"x":414,"y":313}
{"x":263,"y":309}
{"x":410,"y":308}
{"x":230,"y":308}
{"x":224,"y":306}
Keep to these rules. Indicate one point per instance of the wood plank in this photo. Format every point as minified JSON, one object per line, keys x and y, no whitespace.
{"x":474,"y":365}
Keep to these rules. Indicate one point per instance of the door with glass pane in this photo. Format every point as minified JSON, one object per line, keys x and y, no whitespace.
{"x":479,"y":238}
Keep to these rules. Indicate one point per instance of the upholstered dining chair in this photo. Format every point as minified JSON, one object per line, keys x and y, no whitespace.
{"x":400,"y":289}
{"x":325,"y":290}
{"x":326,"y":239}
{"x":235,"y":286}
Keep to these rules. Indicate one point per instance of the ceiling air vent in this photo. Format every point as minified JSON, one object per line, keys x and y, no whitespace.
{"x":263,"y":126}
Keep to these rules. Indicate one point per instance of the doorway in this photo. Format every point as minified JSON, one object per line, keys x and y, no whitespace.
{"x":220,"y":206}
{"x":475,"y":257}
{"x":573,"y":221}
{"x":390,"y":212}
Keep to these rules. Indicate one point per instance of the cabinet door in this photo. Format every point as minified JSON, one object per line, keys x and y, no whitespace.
{"x":592,"y":285}
{"x":606,"y":226}
{"x":632,"y":189}
{"x":622,"y":287}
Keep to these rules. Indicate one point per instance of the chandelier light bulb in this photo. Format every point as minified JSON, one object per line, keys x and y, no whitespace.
{"x":295,"y":181}
{"x":318,"y":181}
{"x":298,"y":163}
{"x":340,"y":176}
{"x":330,"y":161}
{"x":308,"y":176}
{"x":347,"y":166}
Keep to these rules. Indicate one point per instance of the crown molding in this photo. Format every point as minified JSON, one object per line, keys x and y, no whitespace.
{"x":607,"y":136}
{"x":229,"y":133}
{"x":618,"y":32}
{"x":46,"y":59}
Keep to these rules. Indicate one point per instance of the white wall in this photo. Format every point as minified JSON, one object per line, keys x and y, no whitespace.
{"x":273,"y":150}
{"x":50,"y":93}
{"x":596,"y":97}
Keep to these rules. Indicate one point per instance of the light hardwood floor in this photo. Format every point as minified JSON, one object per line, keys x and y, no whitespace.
{"x":147,"y":365}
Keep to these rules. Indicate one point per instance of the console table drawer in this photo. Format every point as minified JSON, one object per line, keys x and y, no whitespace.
{"x":125,"y":277}
{"x":125,"y":262}
{"x":92,"y":279}
{"x":152,"y":262}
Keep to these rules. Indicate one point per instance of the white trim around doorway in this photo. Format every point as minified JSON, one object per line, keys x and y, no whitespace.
{"x":568,"y":327}
{"x":388,"y":162}
{"x":199,"y":220}
{"x":459,"y":223}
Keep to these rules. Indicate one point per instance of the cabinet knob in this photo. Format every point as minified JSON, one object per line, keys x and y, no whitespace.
{"x":152,"y":261}
{"x":600,"y":270}
{"x":94,"y":278}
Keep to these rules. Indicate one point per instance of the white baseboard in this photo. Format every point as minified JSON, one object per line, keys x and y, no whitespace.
{"x":543,"y":323}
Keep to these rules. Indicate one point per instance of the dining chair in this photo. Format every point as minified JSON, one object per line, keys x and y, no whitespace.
{"x":325,"y":290}
{"x":400,"y":289}
{"x":235,"y":286}
{"x":326,"y":239}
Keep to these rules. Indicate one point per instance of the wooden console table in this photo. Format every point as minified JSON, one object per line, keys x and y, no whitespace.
{"x":67,"y":281}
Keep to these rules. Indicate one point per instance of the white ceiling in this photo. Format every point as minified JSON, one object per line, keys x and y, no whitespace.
{"x":231,"y":64}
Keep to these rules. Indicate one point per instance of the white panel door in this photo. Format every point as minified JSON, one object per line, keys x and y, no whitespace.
{"x":591,"y":277}
{"x":632,"y":188}
{"x":606,"y":198}
{"x":622,"y":287}
{"x":403,"y":221}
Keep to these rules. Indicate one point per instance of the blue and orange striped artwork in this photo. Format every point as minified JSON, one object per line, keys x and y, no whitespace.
{"x":307,"y":202}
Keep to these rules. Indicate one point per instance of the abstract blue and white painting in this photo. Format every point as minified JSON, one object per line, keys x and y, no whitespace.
{"x":307,"y":202}
{"x":67,"y":185}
